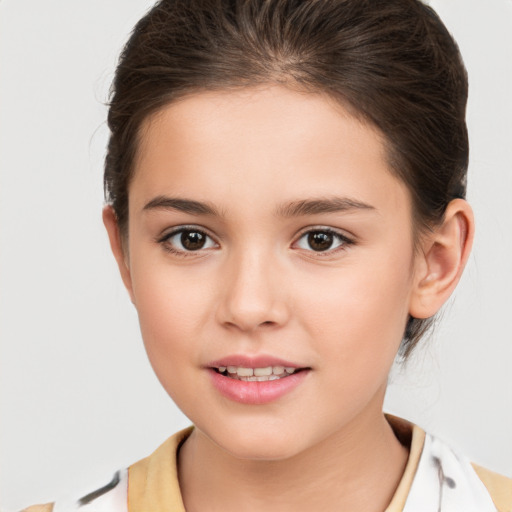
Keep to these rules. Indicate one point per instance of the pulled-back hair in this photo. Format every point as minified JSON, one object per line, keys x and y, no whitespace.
{"x":392,"y":62}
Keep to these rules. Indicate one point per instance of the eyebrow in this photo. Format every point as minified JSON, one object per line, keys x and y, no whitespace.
{"x":292,"y":209}
{"x":321,"y":205}
{"x":182,"y":205}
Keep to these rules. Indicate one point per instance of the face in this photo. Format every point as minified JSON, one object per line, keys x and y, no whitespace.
{"x":266,"y":231}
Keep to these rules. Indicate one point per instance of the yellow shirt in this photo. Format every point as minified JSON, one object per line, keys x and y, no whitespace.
{"x":153,"y":481}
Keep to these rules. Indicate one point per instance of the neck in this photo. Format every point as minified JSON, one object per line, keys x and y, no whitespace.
{"x":355,"y":469}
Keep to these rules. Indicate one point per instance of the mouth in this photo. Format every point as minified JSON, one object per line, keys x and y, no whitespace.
{"x":256,"y":380}
{"x":258,"y":374}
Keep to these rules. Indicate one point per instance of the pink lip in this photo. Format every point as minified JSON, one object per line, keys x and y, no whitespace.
{"x":246,"y":361}
{"x":253,"y":393}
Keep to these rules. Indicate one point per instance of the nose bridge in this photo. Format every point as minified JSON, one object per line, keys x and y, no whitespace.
{"x":252,"y":296}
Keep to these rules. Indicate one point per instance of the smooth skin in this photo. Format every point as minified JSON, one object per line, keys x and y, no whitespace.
{"x":258,"y":286}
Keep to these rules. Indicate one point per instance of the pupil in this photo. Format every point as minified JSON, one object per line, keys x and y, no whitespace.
{"x":320,"y":241}
{"x":192,"y":240}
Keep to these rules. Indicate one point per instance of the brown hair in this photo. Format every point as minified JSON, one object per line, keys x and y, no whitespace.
{"x":392,"y":61}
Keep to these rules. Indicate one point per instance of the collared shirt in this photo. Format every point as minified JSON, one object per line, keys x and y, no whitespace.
{"x":436,"y":479}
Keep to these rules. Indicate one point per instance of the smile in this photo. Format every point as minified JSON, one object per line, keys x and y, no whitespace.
{"x":263,"y":374}
{"x":256,"y":380}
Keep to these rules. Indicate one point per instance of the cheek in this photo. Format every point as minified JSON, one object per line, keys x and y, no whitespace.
{"x":360,"y":318}
{"x":170,"y":316}
{"x":173,"y":306}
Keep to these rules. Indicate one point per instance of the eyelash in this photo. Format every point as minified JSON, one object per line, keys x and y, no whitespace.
{"x":343,"y":241}
{"x":182,"y":253}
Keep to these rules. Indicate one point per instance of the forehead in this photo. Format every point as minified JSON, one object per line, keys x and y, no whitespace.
{"x":268,"y":143}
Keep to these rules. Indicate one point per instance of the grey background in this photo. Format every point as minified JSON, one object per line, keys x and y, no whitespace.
{"x":78,"y":398}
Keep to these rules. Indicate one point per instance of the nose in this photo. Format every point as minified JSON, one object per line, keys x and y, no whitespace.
{"x":253,"y":294}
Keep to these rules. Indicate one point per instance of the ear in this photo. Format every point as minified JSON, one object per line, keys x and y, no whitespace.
{"x":114,"y":235}
{"x":444,"y":254}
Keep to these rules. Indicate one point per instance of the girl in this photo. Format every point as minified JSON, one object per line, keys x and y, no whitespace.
{"x":285,"y":185}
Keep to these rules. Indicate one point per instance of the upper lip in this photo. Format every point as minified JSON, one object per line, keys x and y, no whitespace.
{"x":246,"y":361}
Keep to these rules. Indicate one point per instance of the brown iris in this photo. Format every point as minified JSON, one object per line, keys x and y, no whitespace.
{"x":320,"y":240}
{"x":193,"y":240}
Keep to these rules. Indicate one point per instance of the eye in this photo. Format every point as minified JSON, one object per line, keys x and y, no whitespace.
{"x":322,"y":240}
{"x":185,"y":240}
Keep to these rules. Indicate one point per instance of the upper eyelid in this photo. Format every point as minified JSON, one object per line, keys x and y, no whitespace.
{"x":164,"y":240}
{"x":167,"y":233}
{"x":345,"y":242}
{"x":342,"y":233}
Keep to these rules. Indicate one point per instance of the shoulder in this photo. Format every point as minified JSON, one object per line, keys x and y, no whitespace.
{"x":448,"y":479}
{"x":151,"y":480}
{"x":498,"y":486}
{"x":460,"y":484}
{"x":154,"y":480}
{"x":96,"y":497}
{"x":48,"y":507}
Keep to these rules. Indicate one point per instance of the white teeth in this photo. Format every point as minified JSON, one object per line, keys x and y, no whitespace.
{"x":262,"y":378}
{"x":257,"y":374}
{"x":245,"y":372}
{"x":263,"y":372}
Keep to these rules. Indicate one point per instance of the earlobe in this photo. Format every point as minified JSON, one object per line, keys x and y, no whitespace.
{"x":444,"y":255}
{"x":114,"y":235}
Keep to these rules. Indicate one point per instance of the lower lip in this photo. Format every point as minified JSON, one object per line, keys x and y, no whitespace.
{"x":256,"y":392}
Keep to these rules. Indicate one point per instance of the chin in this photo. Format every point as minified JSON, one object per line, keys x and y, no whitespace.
{"x":267,"y":444}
